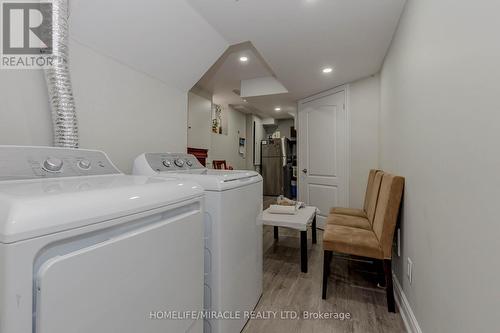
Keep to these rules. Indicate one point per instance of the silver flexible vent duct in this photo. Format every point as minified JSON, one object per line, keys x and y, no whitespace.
{"x":65,"y":125}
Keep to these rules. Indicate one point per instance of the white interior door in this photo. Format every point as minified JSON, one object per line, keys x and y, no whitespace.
{"x":323,"y":151}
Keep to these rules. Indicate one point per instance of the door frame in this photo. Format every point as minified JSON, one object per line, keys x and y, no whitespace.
{"x":345,"y":88}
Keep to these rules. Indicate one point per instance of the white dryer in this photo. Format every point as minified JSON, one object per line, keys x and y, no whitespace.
{"x":233,"y":234}
{"x":84,"y":248}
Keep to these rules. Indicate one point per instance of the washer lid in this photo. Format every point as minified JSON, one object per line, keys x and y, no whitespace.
{"x":33,"y":208}
{"x":219,"y":180}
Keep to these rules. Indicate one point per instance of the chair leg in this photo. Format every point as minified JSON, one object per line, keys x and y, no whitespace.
{"x":380,"y":269}
{"x":276,"y":233}
{"x":327,"y":258}
{"x":391,"y":306}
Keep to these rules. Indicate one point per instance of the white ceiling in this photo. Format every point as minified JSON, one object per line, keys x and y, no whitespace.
{"x":176,"y":41}
{"x":226,"y":75}
{"x":168,"y":40}
{"x":297,"y":38}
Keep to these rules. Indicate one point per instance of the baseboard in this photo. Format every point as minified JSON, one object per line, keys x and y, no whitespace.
{"x":404,"y":308}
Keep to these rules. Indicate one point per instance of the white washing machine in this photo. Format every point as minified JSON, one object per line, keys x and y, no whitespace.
{"x":84,"y":248}
{"x":233,"y":233}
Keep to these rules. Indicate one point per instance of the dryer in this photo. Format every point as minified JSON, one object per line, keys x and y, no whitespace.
{"x":85,"y":248}
{"x":233,"y":234}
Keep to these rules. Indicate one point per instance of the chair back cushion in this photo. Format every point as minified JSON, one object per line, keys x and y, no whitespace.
{"x":219,"y":164}
{"x":386,"y":215}
{"x":371,"y":177}
{"x":373,"y":196}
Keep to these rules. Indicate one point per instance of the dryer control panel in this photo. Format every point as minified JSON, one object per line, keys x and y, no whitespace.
{"x":20,"y":162}
{"x":172,"y":162}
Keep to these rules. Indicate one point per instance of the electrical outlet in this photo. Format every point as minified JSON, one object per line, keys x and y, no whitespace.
{"x":409,"y":269}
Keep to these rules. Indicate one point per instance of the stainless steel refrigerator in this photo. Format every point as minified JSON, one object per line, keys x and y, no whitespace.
{"x":276,"y":164}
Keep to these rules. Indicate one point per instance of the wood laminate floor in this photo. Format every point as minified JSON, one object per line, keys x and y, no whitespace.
{"x":352,"y":289}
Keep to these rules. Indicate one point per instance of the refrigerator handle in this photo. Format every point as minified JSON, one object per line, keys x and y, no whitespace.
{"x":283,"y":151}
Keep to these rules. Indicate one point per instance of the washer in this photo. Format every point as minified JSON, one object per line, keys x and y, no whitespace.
{"x":84,"y":248}
{"x":233,"y":233}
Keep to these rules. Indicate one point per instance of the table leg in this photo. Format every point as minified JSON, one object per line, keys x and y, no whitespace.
{"x":314,"y":231}
{"x":303,"y":251}
{"x":276,"y":233}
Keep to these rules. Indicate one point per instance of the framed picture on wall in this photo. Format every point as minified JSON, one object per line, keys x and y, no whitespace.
{"x":217,"y":119}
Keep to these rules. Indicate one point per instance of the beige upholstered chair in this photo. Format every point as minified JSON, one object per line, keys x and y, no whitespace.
{"x":221,"y":165}
{"x":360,"y":221}
{"x":375,"y":242}
{"x":354,"y":211}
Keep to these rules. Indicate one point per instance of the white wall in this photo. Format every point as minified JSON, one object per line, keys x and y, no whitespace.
{"x":364,"y":110}
{"x":169,"y":40}
{"x":120,"y":110}
{"x":440,"y":116}
{"x":125,"y":112}
{"x":251,"y":144}
{"x":199,"y":121}
{"x":226,"y":147}
{"x":283,"y":126}
{"x":220,"y":146}
{"x":24,"y":108}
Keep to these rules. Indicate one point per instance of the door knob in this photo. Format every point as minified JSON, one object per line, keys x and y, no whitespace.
{"x":304,"y":170}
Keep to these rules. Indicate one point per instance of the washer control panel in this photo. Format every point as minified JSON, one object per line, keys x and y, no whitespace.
{"x":19,"y":162}
{"x":172,"y":162}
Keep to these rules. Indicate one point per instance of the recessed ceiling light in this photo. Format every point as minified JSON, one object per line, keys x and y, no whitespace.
{"x":244,"y":100}
{"x":277,"y":108}
{"x":327,"y":70}
{"x":243,"y":59}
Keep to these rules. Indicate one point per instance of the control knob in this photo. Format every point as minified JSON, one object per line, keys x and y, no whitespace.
{"x":84,"y":164}
{"x":53,"y":164}
{"x":167,"y":164}
{"x":189,"y":163}
{"x":179,"y":162}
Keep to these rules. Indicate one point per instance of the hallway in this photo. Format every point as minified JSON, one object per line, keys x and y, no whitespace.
{"x":353,"y":289}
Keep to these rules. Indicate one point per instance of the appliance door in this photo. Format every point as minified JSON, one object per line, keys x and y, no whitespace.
{"x":119,"y":283}
{"x":272,"y":172}
{"x":271,"y":148}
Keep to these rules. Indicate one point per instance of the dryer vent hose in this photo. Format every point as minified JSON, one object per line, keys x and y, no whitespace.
{"x":64,"y":119}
